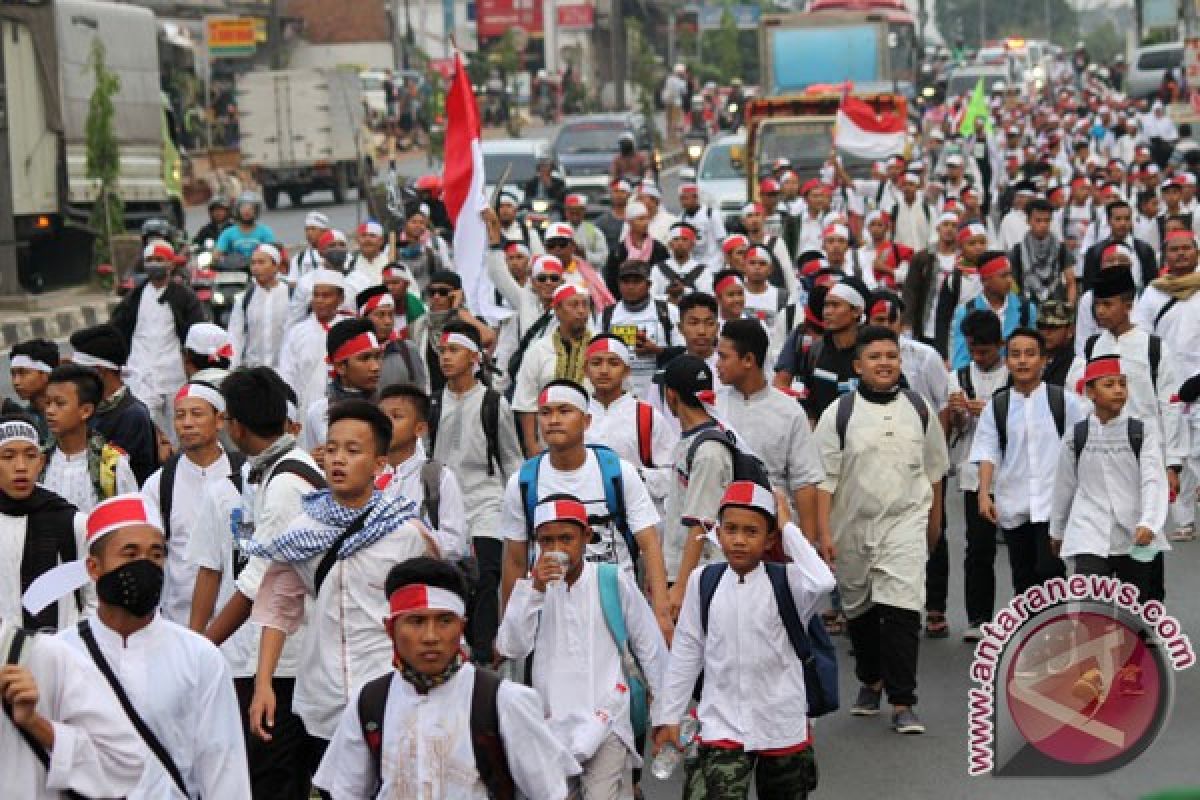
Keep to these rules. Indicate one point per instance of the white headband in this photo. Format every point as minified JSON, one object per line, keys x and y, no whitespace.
{"x":293,"y":413}
{"x":559,"y":393}
{"x":84,"y":360}
{"x":16,"y":430}
{"x":202,"y":392}
{"x":271,"y":250}
{"x":22,"y":361}
{"x":845,"y":291}
{"x":462,"y":340}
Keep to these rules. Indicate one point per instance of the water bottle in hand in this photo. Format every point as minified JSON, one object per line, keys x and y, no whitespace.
{"x":668,"y":758}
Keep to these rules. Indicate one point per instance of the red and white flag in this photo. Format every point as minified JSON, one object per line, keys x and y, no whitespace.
{"x":863,"y":133}
{"x":462,"y":186}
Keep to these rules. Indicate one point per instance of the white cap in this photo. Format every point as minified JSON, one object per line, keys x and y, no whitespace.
{"x":636,"y":209}
{"x":328,"y":277}
{"x":315,"y":219}
{"x":208,"y":339}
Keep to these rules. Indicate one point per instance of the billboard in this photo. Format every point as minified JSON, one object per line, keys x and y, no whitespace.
{"x":495,"y":17}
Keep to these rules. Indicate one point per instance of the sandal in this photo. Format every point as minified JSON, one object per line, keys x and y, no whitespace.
{"x":936,"y":626}
{"x":835,"y":622}
{"x":1185,"y":534}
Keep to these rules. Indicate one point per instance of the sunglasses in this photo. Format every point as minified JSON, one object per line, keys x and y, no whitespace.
{"x":439,"y":291}
{"x":548,"y":277}
{"x":552,"y":243}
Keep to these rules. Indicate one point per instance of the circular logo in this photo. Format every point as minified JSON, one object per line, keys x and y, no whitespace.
{"x":1084,"y":688}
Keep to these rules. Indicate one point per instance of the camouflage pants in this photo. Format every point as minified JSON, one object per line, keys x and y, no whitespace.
{"x":721,"y":774}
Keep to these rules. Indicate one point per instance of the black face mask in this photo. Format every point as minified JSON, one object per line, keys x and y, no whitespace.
{"x":135,"y":587}
{"x":337,"y":256}
{"x":156,"y":272}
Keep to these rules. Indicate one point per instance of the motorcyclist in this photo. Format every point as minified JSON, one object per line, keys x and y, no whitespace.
{"x":546,"y":185}
{"x":628,"y":164}
{"x":218,"y":220}
{"x":154,"y":229}
{"x":429,"y":191}
{"x":248,"y":233}
{"x":735,"y":106}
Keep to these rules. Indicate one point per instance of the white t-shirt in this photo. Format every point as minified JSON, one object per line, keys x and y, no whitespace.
{"x":587,"y":485}
{"x":766,"y":304}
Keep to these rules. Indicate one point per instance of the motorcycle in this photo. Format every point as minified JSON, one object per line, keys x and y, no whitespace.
{"x":694,"y":142}
{"x":539,"y":214}
{"x":232,"y":275}
{"x":201,"y":274}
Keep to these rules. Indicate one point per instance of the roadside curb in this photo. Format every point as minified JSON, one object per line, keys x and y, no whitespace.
{"x":54,"y":324}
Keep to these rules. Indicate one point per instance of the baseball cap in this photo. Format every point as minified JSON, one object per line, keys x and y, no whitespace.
{"x":1055,"y":314}
{"x":686,"y":374}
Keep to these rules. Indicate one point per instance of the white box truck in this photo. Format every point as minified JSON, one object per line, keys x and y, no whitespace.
{"x":49,"y":80}
{"x":301,"y":130}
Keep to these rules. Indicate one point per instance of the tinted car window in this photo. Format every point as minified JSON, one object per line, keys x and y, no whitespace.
{"x":589,"y":137}
{"x":1160,"y":59}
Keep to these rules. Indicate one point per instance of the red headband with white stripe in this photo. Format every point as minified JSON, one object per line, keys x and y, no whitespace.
{"x":835,"y":231}
{"x":1097,"y":368}
{"x":461,"y":340}
{"x":370,"y":229}
{"x":1175,"y":235}
{"x":561,"y":511}
{"x":758,"y":253}
{"x":728,"y":282}
{"x":119,"y":512}
{"x":970,"y":230}
{"x":607,"y":344}
{"x":417,"y":597}
{"x":1116,"y":250}
{"x":748,"y":494}
{"x":376,"y":302}
{"x":362,"y":343}
{"x":201,"y":392}
{"x":733,"y":243}
{"x":566,"y":292}
{"x":544,"y":265}
{"x":560,"y":393}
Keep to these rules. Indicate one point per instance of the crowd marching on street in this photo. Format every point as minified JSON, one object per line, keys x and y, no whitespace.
{"x":368,"y":540}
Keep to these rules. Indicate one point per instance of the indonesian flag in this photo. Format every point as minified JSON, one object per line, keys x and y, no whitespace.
{"x":463,"y":182}
{"x":863,"y":133}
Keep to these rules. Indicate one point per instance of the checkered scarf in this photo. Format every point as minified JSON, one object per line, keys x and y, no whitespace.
{"x":300,"y":543}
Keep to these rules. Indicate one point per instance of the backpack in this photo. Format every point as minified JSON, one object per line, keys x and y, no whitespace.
{"x":688,"y":280}
{"x":166,"y":485}
{"x":1162,"y":312}
{"x":1000,"y":403}
{"x":746,"y":465}
{"x":846,"y":408}
{"x":645,"y":433}
{"x":661,"y":310}
{"x":489,"y":420}
{"x":246,"y":295}
{"x":487,"y":742}
{"x":614,"y":493}
{"x":813,"y":646}
{"x":1153,"y":354}
{"x":1135,"y":430}
{"x":614,"y":618}
{"x":514,"y":361}
{"x":431,"y":505}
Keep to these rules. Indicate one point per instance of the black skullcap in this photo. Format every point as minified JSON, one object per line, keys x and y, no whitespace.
{"x":42,"y":350}
{"x":446,"y":278}
{"x":1113,"y":282}
{"x":102,"y":341}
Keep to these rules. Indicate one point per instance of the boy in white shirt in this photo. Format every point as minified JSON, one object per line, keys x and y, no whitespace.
{"x":763,"y":300}
{"x":753,"y":710}
{"x":561,"y":614}
{"x":1104,"y":522}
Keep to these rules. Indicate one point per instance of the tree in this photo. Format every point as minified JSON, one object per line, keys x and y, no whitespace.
{"x":104,"y":156}
{"x":1019,"y":18}
{"x":644,"y":71}
{"x":1104,"y":43}
{"x":724,"y":45}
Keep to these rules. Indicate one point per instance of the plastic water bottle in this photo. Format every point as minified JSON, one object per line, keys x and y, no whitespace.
{"x":1143,"y":553}
{"x":668,"y":758}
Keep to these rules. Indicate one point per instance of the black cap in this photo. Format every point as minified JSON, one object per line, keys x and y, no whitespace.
{"x":687,"y":375}
{"x":445,"y":277}
{"x":102,"y":341}
{"x":1113,"y":282}
{"x":634,"y":267}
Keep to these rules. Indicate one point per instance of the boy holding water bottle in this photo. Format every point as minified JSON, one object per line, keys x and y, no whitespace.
{"x":1102,"y":522}
{"x":753,"y":707}
{"x":564,"y":614}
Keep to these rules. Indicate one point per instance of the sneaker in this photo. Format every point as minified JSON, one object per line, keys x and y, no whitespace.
{"x":906,"y":722}
{"x":972,"y":634}
{"x":867,"y":704}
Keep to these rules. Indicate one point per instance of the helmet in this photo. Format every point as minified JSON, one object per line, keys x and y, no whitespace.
{"x":626,"y":136}
{"x":156,"y":228}
{"x":248,"y":199}
{"x":218,"y":201}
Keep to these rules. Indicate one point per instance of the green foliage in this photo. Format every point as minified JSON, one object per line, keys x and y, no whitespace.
{"x":104,"y":156}
{"x":1104,"y":42}
{"x":722,"y":48}
{"x":1022,"y":18}
{"x":644,"y":71}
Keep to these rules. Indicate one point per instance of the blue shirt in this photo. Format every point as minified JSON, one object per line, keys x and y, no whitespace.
{"x":1016,"y":308}
{"x":234,"y":239}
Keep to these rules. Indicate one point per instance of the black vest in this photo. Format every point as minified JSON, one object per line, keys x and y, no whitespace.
{"x":49,"y":541}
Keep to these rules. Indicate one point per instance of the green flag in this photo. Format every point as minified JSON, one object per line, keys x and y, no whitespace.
{"x":977,"y":107}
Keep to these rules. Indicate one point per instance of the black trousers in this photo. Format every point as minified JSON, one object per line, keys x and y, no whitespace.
{"x":937,"y":568}
{"x":483,"y":617}
{"x":278,"y":769}
{"x":314,"y":751}
{"x":1030,"y":556}
{"x":1124,"y":568}
{"x":885,"y":642}
{"x":979,"y":565}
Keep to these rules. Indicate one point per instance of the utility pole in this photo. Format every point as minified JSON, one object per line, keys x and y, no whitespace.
{"x":8,"y":245}
{"x":275,"y":36}
{"x":616,"y":24}
{"x":982,"y":22}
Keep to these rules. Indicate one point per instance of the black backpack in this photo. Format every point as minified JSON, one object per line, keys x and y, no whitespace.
{"x":489,"y":420}
{"x":1135,"y":430}
{"x":1002,"y":399}
{"x":487,"y":742}
{"x":846,"y":408}
{"x":661,"y":310}
{"x":166,"y":485}
{"x":527,"y":338}
{"x":746,"y":465}
{"x":1153,"y":354}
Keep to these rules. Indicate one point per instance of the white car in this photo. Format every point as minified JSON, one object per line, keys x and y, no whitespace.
{"x":722,"y":184}
{"x":372,"y":90}
{"x":522,"y":154}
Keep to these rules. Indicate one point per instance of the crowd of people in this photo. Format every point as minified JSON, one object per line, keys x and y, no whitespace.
{"x":286,"y":555}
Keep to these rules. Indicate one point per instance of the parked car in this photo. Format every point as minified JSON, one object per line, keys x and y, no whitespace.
{"x":1149,"y":64}
{"x":721,"y":182}
{"x":962,"y":81}
{"x":585,"y":148}
{"x":522,"y":154}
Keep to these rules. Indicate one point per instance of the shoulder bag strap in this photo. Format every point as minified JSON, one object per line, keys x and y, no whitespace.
{"x":331,"y":555}
{"x":160,"y":752}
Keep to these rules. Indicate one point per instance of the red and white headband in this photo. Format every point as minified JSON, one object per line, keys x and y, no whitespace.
{"x":611,"y":345}
{"x":970,"y":230}
{"x":516,"y":248}
{"x":995,"y":267}
{"x":460,"y":340}
{"x":748,"y":494}
{"x":201,"y":392}
{"x":561,"y":511}
{"x":376,"y":302}
{"x":758,"y":253}
{"x":418,"y":597}
{"x":683,"y":232}
{"x":566,"y":292}
{"x":119,"y":512}
{"x":846,"y":292}
{"x":734,"y":242}
{"x":836,"y":231}
{"x":22,"y":361}
{"x":752,"y":208}
{"x":362,"y":343}
{"x":547,"y":265}
{"x":1116,"y":250}
{"x":728,"y":282}
{"x":881,"y":307}
{"x":370,"y":229}
{"x":559,"y":393}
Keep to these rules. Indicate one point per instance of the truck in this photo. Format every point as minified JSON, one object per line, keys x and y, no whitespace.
{"x":809,"y":60}
{"x":47,"y":50}
{"x":301,"y":131}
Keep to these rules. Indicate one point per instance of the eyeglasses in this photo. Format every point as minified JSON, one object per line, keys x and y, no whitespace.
{"x":548,"y":277}
{"x":552,"y":243}
{"x":439,"y":291}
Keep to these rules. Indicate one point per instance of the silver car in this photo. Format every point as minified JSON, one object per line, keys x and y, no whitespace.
{"x":722,"y":184}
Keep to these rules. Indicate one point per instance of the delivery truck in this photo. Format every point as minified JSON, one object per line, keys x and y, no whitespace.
{"x":302,"y":131}
{"x":49,"y":79}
